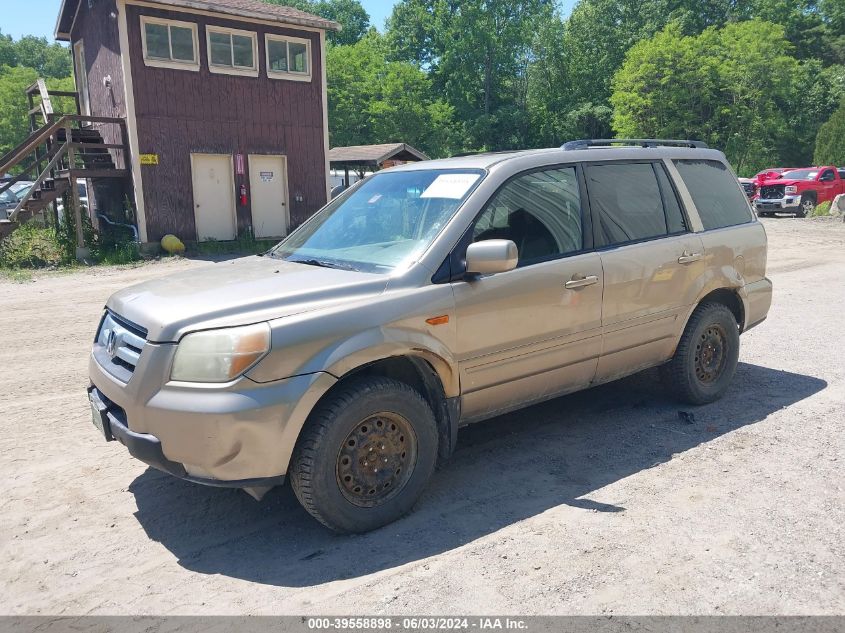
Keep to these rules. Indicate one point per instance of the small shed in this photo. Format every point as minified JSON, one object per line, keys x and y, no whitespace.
{"x":362,"y":158}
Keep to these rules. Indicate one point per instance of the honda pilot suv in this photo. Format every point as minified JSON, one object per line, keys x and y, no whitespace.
{"x":427,"y":297}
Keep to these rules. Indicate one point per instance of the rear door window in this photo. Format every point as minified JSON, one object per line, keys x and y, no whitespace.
{"x":627,"y":199}
{"x":714,"y":190}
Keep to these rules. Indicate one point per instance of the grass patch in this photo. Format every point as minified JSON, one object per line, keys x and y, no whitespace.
{"x":822,"y":209}
{"x":16,"y":275}
{"x":32,"y":246}
{"x":245,"y":244}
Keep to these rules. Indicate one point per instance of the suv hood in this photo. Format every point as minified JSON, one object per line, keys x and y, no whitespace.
{"x":237,"y":292}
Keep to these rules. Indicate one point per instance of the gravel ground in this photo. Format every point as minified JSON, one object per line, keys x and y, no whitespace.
{"x":604,"y":502}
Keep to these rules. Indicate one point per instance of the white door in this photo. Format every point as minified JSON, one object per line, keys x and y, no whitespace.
{"x":81,"y":78}
{"x":214,"y":196}
{"x":268,"y":187}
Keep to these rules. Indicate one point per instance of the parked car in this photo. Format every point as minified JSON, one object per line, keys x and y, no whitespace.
{"x":424,"y":298}
{"x":82,"y":190}
{"x":749,"y":187}
{"x":8,"y":202}
{"x":799,"y":191}
{"x":21,"y":188}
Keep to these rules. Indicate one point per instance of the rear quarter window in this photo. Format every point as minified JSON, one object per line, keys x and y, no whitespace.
{"x":715,"y":192}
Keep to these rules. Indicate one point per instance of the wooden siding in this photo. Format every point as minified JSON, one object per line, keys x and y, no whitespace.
{"x":98,"y":31}
{"x":97,"y":26}
{"x":181,"y":111}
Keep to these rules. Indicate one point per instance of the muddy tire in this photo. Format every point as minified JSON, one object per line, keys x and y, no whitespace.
{"x":808,"y":206}
{"x":365,"y":455}
{"x":706,"y":357}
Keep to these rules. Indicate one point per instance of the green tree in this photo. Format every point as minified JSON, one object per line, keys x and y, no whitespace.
{"x":14,"y":121}
{"x":48,"y":60}
{"x":373,"y":100}
{"x":733,"y":87}
{"x":830,"y":142}
{"x":8,"y":57}
{"x":350,"y":14}
{"x":477,"y":53}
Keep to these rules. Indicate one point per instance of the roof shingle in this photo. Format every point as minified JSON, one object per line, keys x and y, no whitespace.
{"x":243,"y":8}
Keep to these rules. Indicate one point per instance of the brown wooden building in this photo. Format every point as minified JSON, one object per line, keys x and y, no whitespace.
{"x":225,"y":106}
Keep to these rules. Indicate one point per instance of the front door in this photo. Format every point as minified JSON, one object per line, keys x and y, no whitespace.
{"x":81,"y":78}
{"x":534,"y":332}
{"x":651,"y":264}
{"x":214,"y":196}
{"x":268,"y":187}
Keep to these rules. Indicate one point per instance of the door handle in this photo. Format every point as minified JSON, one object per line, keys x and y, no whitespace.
{"x":689,"y":258}
{"x":580,"y":281}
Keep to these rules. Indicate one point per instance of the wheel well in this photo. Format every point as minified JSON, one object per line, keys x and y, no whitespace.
{"x":810,"y":194}
{"x":420,"y":375}
{"x":731,"y":300}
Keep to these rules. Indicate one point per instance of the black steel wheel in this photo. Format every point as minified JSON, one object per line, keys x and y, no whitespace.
{"x":711,"y":354}
{"x":376,"y":459}
{"x":365,"y":454}
{"x":706,"y":357}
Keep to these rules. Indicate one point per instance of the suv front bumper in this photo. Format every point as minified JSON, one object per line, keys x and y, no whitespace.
{"x":239,"y":434}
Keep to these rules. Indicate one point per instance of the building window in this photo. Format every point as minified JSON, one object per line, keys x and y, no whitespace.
{"x":169,"y":44}
{"x":288,"y":58}
{"x":232,"y":52}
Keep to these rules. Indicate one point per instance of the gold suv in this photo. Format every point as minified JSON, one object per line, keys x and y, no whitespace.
{"x":427,"y":297}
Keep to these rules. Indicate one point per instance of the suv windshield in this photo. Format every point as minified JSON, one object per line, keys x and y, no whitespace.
{"x":382,"y":224}
{"x":800,"y":174}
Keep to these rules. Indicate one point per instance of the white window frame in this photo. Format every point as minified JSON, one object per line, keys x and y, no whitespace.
{"x":171,"y":63}
{"x":232,"y":70}
{"x":289,"y":75}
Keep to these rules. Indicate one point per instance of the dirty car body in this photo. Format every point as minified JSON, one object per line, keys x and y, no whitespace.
{"x":216,"y":375}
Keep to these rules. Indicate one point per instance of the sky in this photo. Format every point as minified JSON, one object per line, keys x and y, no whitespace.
{"x":38,"y":17}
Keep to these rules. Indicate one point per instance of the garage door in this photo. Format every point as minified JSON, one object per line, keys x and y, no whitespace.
{"x":214,"y":196}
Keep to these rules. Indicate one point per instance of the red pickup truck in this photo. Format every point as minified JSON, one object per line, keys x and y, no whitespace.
{"x":799,"y":191}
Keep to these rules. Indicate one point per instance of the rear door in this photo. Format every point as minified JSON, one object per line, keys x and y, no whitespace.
{"x":650,"y":258}
{"x":533,"y":332}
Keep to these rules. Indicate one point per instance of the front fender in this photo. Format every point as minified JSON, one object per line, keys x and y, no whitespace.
{"x":341,"y":339}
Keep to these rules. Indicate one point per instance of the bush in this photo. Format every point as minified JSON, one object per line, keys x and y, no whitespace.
{"x":31,"y":246}
{"x":822,"y":209}
{"x":830,"y":141}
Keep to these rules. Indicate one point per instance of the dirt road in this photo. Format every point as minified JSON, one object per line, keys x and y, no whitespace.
{"x":607,"y":501}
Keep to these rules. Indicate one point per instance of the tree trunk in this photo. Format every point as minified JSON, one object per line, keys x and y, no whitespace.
{"x":488,"y":89}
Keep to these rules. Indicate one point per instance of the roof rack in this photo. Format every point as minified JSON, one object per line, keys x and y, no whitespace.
{"x":641,"y":142}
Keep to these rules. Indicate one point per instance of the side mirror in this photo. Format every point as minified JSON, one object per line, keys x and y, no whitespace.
{"x":491,"y":256}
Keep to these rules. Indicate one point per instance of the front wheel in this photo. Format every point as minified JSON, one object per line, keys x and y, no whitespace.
{"x":365,"y":455}
{"x":706,"y":357}
{"x":808,"y":206}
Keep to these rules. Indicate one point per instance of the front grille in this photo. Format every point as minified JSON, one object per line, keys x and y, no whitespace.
{"x":748,"y":187}
{"x":771,"y":192}
{"x":119,"y":345}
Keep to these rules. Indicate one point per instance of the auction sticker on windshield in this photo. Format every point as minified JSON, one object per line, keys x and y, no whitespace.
{"x":453,"y":186}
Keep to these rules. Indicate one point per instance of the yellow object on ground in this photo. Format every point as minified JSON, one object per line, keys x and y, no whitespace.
{"x":172,"y":245}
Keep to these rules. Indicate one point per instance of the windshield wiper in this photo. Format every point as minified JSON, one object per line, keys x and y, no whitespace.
{"x":321,"y":263}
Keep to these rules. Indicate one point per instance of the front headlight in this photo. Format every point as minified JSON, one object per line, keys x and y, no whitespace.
{"x":220,"y":355}
{"x":791,"y":189}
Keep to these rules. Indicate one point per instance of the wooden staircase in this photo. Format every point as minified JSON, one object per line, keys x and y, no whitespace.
{"x":58,"y":152}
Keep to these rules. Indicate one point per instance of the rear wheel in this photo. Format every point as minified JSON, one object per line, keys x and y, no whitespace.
{"x":365,"y":455}
{"x":706,"y":357}
{"x":808,"y":206}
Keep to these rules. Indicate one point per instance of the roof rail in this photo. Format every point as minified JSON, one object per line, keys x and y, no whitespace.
{"x":641,"y":142}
